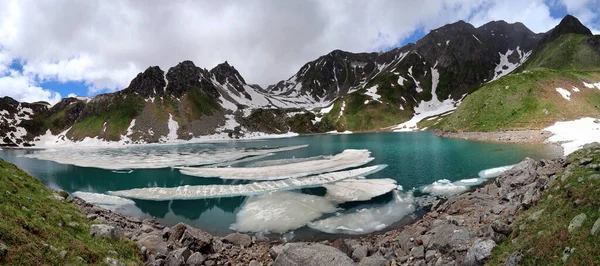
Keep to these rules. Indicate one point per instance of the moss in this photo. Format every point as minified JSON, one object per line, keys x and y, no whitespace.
{"x":202,"y":103}
{"x":32,"y":221}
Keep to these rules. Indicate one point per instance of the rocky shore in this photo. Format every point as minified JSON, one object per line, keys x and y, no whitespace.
{"x":462,"y":230}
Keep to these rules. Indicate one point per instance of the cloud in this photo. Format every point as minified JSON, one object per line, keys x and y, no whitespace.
{"x":21,"y":88}
{"x":104,"y":44}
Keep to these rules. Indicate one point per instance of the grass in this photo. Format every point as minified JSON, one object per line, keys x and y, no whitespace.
{"x":525,"y":100}
{"x":568,"y":52}
{"x":117,"y":114}
{"x":542,"y":242}
{"x":32,"y":221}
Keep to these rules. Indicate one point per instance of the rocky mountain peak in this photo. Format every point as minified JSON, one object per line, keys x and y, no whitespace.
{"x":224,"y":71}
{"x":183,"y":77}
{"x":149,"y":83}
{"x":569,"y":24}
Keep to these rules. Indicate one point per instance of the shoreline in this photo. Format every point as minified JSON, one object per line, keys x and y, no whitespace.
{"x":431,"y":238}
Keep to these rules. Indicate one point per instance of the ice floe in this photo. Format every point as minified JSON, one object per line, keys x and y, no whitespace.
{"x":149,"y":157}
{"x":358,"y":189}
{"x":105,"y":201}
{"x":564,"y":93}
{"x":572,"y":135}
{"x":347,"y":159}
{"x":287,"y":161}
{"x":368,"y":220}
{"x":445,"y":187}
{"x":256,"y":188}
{"x":494,"y":172}
{"x":280,"y":212}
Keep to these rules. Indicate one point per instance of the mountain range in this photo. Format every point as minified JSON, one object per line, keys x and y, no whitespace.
{"x":452,"y":66}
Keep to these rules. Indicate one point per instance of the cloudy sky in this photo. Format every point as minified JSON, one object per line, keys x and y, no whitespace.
{"x":53,"y":48}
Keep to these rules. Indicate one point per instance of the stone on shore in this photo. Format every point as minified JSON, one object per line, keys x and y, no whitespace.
{"x":104,"y":231}
{"x":311,"y":255}
{"x":577,"y":222}
{"x":480,"y":252}
{"x":238,"y":239}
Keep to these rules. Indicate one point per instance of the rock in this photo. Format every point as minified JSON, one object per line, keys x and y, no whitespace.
{"x":360,"y":252}
{"x":449,"y":237}
{"x":501,"y":227}
{"x":311,"y":255}
{"x":238,"y":239}
{"x":418,"y":252}
{"x":373,"y":261}
{"x":146,"y":228}
{"x":585,"y":161}
{"x":209,"y":263}
{"x":91,"y":217}
{"x":62,"y":254}
{"x":174,"y":259}
{"x":594,"y":177}
{"x":112,"y":252}
{"x":113,"y":262}
{"x":154,"y":244}
{"x":184,"y":253}
{"x":195,"y":239}
{"x":513,"y":259}
{"x":479,"y":252}
{"x":577,"y":222}
{"x":254,"y":263}
{"x":196,"y":259}
{"x":274,"y":251}
{"x":535,"y":216}
{"x":3,"y":251}
{"x":73,"y":225}
{"x":430,"y":255}
{"x":174,"y":235}
{"x":595,"y":227}
{"x":566,"y":253}
{"x":104,"y":231}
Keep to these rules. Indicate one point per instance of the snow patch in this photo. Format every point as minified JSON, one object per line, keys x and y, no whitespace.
{"x":505,"y":67}
{"x":372,"y":92}
{"x":572,"y":135}
{"x":575,"y":89}
{"x":564,"y":93}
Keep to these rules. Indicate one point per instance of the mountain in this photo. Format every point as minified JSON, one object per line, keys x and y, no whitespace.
{"x":560,"y":81}
{"x":340,"y":90}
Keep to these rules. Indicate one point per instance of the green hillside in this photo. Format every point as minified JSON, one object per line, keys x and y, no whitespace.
{"x":39,"y":228}
{"x":528,"y":97}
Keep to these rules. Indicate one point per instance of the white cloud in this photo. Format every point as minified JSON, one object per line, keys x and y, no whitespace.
{"x":21,"y":88}
{"x":104,"y":44}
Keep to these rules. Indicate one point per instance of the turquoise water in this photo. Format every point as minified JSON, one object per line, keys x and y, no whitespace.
{"x":414,"y":160}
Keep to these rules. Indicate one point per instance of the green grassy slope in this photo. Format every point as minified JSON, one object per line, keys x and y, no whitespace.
{"x":527,"y":98}
{"x":32,"y":221}
{"x":543,"y":241}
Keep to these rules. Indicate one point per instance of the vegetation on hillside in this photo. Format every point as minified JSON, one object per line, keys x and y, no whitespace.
{"x":528,"y":97}
{"x":37,"y":226}
{"x":541,"y":234}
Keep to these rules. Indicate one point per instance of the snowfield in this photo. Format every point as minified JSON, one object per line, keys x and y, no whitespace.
{"x":572,"y":135}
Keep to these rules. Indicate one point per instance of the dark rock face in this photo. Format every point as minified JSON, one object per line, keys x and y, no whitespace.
{"x":569,"y":24}
{"x":149,"y":83}
{"x":186,"y":76}
{"x":20,"y":122}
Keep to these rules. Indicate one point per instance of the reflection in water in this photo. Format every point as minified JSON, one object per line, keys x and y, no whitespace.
{"x":415,"y":160}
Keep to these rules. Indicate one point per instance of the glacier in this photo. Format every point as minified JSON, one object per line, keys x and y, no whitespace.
{"x":347,"y":159}
{"x":148,"y":157}
{"x":358,"y":189}
{"x":256,"y":188}
{"x":364,"y":221}
{"x":280,"y":212}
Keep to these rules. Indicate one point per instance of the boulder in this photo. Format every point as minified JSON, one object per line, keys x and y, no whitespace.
{"x":3,"y":251}
{"x":154,"y":244}
{"x":274,"y":251}
{"x":113,"y":262}
{"x":480,"y":252}
{"x":501,"y":227}
{"x":449,"y":237}
{"x":311,"y":255}
{"x":595,"y":227}
{"x":196,"y":259}
{"x":418,"y":252}
{"x":104,"y":231}
{"x":360,"y":252}
{"x":513,"y":259}
{"x":577,"y":222}
{"x":373,"y":261}
{"x":238,"y":239}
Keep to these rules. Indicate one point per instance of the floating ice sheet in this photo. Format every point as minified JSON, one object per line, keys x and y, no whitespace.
{"x":366,"y":221}
{"x":103,"y":200}
{"x":287,"y":161}
{"x":358,"y":189}
{"x":280,"y":212}
{"x":149,"y":157}
{"x":346,"y":159}
{"x":257,"y":188}
{"x":494,"y":172}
